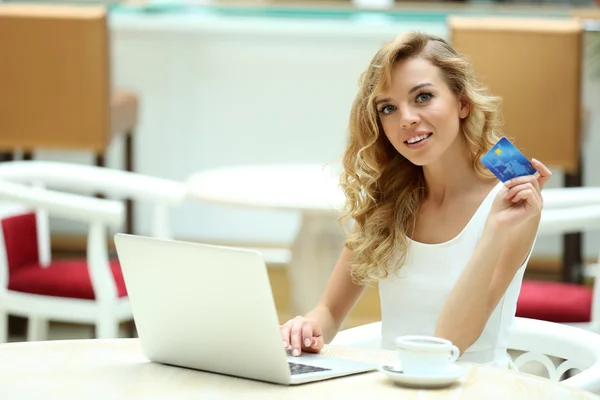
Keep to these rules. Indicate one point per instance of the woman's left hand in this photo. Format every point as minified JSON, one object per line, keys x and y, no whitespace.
{"x":521,"y":198}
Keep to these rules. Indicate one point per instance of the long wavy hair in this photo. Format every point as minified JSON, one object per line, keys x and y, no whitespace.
{"x":383,"y":189}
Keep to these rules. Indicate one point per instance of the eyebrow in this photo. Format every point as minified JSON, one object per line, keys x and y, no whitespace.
{"x":419,"y":86}
{"x":412,"y":90}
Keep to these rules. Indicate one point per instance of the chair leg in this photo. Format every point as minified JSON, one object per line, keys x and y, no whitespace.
{"x":3,"y":326}
{"x":128,"y":161}
{"x":107,"y":328}
{"x":573,"y":242}
{"x":6,"y":156}
{"x":132,"y":330}
{"x":129,"y":167}
{"x":37,"y":329}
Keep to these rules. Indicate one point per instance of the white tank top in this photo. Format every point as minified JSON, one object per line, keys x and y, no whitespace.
{"x":412,"y":300}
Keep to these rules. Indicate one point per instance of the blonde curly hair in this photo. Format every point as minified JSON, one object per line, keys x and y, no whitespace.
{"x":383,"y":189}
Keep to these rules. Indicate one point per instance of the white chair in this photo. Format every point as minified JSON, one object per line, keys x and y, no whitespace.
{"x":538,"y":340}
{"x":571,"y":197}
{"x":89,"y":291}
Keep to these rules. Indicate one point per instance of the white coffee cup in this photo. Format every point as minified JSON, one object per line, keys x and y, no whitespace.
{"x":425,"y":354}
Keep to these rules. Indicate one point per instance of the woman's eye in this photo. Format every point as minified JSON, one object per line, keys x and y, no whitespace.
{"x":387,"y":110}
{"x":423,"y":97}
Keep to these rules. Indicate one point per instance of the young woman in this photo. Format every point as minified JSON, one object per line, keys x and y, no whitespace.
{"x":444,"y":239}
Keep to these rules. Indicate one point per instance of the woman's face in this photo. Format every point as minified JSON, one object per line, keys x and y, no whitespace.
{"x":419,"y":113}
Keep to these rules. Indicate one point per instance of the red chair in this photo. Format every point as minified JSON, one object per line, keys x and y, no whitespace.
{"x":562,"y":302}
{"x":556,"y":302}
{"x":85,"y":291}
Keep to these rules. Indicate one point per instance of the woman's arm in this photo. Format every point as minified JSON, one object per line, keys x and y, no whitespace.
{"x":320,"y":325}
{"x":338,"y":299}
{"x":504,"y":246}
{"x":497,"y":257}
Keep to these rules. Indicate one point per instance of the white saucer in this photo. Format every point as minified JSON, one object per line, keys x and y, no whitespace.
{"x":449,"y":376}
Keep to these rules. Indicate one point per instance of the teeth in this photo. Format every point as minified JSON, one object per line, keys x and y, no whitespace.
{"x":416,"y":139}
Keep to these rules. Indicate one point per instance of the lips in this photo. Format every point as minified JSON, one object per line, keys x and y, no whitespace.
{"x":417,"y":138}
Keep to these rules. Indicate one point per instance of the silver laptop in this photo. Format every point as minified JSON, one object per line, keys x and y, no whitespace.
{"x":211,"y":308}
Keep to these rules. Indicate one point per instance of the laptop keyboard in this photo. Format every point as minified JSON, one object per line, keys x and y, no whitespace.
{"x":297,"y":369}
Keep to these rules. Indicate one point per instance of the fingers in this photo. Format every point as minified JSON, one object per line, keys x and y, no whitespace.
{"x":544,"y":172}
{"x":514,"y":190}
{"x":307,"y":335}
{"x":527,"y":189}
{"x":301,"y":334}
{"x":318,"y":340}
{"x":527,"y":195}
{"x":318,"y":343}
{"x":285,"y":333}
{"x":521,"y":180}
{"x":312,"y":337}
{"x":296,"y":336}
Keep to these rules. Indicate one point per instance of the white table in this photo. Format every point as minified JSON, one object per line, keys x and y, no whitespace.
{"x":117,"y":369}
{"x":313,"y":190}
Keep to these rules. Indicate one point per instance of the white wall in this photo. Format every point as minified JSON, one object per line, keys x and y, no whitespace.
{"x":218,"y":92}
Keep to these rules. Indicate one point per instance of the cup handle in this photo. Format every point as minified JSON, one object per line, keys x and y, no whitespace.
{"x":454,"y":354}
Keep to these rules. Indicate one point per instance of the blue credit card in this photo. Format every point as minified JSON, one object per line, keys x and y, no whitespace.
{"x":506,"y":161}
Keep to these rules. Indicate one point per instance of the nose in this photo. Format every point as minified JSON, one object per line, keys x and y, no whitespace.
{"x":409,"y":117}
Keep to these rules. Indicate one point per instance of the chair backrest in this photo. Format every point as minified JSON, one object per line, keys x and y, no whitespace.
{"x":538,"y":340}
{"x":20,"y":237}
{"x":578,"y":349}
{"x":31,"y":183}
{"x":55,"y":67}
{"x":163,"y":194}
{"x":99,"y":214}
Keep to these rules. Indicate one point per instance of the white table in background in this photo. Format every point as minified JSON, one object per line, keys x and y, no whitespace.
{"x":310,"y":189}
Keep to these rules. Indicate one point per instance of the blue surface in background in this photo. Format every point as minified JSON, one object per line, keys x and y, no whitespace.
{"x":273,"y":11}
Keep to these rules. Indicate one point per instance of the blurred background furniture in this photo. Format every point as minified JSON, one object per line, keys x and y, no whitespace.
{"x":540,"y":85}
{"x":536,"y":340}
{"x":566,"y":302}
{"x":85,"y":291}
{"x":163,"y":51}
{"x":311,"y":189}
{"x":180,"y":57}
{"x":56,"y":92}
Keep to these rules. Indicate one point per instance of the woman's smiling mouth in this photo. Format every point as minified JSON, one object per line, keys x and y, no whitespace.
{"x":417,"y":141}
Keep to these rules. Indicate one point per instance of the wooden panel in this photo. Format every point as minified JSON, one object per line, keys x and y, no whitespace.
{"x":535,"y":66}
{"x":54,"y":77}
{"x":586,"y":13}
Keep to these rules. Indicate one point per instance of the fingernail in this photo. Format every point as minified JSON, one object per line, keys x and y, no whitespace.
{"x":534,"y":160}
{"x":285,"y":344}
{"x":296,"y":352}
{"x":507,"y":183}
{"x":307,"y":342}
{"x":316,"y":343}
